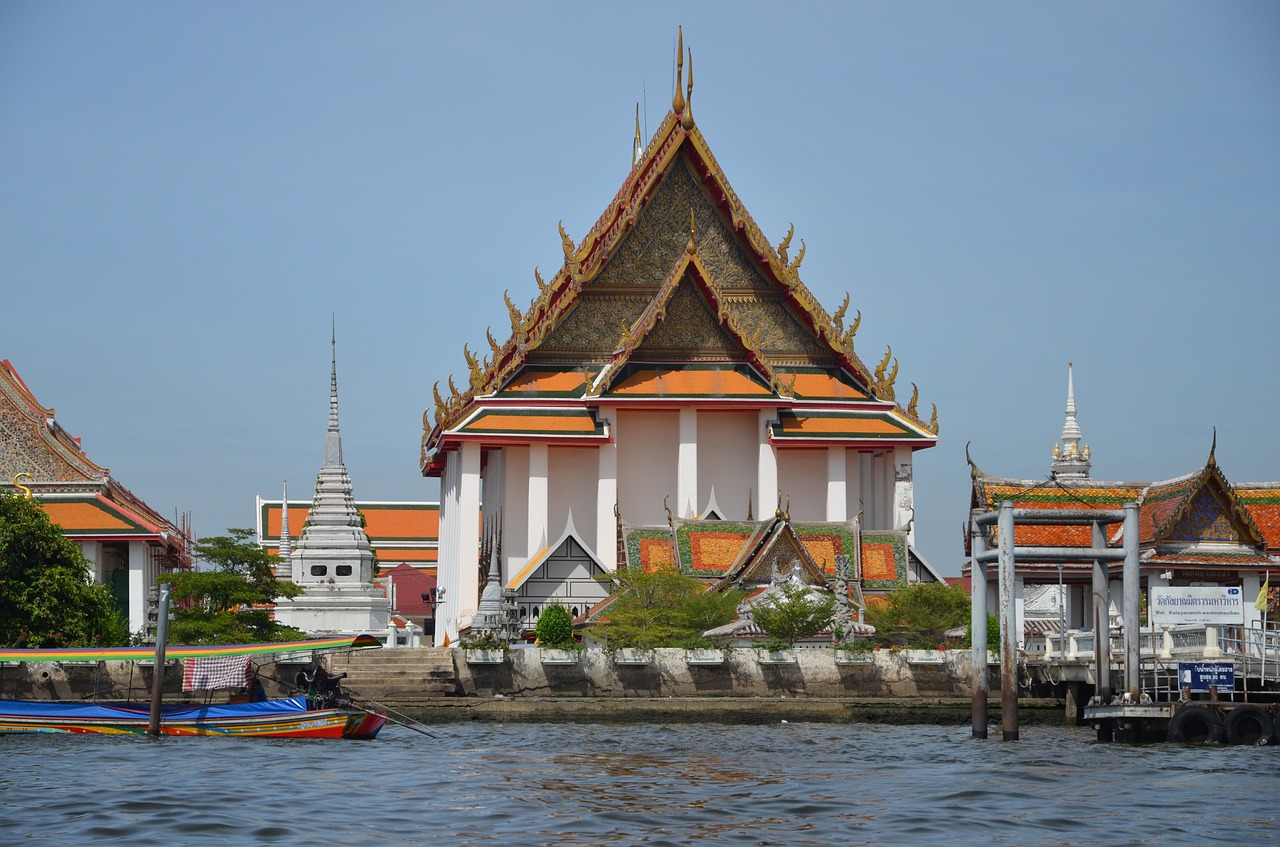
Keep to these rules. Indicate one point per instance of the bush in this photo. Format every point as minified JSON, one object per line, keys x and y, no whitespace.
{"x":918,"y":615}
{"x":555,"y":627}
{"x":662,"y":608}
{"x":993,"y":633}
{"x":793,"y":615}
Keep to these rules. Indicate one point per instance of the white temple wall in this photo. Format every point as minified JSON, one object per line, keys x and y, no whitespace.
{"x":138,"y":585}
{"x":802,"y":477}
{"x":572,"y":487}
{"x":493,"y":487}
{"x":728,"y":448}
{"x":515,"y":510}
{"x":648,"y":453}
{"x":853,"y":485}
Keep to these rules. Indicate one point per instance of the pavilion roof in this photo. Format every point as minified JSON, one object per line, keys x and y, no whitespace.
{"x":82,"y":497}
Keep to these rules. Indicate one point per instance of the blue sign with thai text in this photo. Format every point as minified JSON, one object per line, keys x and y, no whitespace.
{"x":1200,"y":675}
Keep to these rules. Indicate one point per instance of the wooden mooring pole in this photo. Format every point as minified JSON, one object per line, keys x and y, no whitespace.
{"x":978,"y":627}
{"x":157,"y":671}
{"x":1008,"y":627}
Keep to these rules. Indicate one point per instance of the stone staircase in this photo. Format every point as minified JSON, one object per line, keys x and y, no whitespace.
{"x":398,"y":675}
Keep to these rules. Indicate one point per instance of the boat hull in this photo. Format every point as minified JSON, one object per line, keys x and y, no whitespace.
{"x":287,"y":718}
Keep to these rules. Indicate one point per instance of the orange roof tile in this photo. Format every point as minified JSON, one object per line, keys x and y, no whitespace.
{"x":690,"y":382}
{"x":83,"y":517}
{"x":558,"y":422}
{"x":824,"y":386}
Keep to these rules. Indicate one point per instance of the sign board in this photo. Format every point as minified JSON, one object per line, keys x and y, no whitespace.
{"x":1200,"y":675}
{"x":1203,"y":606}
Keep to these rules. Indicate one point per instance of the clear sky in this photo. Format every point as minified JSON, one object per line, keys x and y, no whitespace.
{"x":189,"y":192}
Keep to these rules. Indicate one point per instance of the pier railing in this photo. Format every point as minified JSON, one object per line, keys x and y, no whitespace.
{"x":1255,"y":650}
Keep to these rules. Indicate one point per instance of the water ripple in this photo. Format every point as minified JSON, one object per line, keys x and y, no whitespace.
{"x":794,"y":784}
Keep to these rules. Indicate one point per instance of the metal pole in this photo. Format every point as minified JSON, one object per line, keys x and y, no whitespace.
{"x":157,"y":671}
{"x":1008,"y":626}
{"x":1101,"y":621}
{"x":978,"y":625}
{"x":1132,"y":577}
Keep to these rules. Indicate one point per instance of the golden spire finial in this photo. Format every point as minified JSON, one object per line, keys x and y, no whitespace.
{"x":687,"y":120}
{"x":637,"y":144}
{"x":677,"y":102}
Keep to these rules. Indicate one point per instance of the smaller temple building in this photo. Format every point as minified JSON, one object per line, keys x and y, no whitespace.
{"x":128,"y":543}
{"x":1197,"y":529}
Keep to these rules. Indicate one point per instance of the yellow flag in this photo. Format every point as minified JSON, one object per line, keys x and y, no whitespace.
{"x":1261,"y":603}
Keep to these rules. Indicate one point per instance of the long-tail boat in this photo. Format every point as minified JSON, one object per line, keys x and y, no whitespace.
{"x":324,"y":711}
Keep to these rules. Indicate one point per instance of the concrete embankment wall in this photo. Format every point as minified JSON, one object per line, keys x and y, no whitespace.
{"x":815,"y":673}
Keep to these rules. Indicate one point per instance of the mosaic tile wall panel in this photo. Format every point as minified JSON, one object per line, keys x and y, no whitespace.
{"x":710,"y":552}
{"x":884,"y":561}
{"x":650,"y":549}
{"x":1204,"y":520}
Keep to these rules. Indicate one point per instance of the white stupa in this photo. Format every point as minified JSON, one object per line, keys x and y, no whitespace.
{"x":332,"y":560}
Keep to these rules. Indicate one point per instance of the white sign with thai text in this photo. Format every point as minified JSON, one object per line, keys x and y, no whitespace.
{"x":1204,"y":606}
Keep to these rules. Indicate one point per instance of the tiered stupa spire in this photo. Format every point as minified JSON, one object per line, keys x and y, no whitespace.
{"x":333,"y":532}
{"x":333,"y":560}
{"x":285,"y":569}
{"x":1070,"y":461}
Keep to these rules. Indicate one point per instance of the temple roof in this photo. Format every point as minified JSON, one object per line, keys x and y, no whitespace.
{"x":733,"y":552}
{"x":397,"y":531}
{"x":38,"y":455}
{"x":674,"y":293}
{"x":1199,"y":518}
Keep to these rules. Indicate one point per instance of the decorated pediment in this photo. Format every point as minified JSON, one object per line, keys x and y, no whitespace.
{"x":1210,"y":512}
{"x":31,"y":442}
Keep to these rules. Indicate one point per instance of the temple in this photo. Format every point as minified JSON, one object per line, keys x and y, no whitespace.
{"x":1197,"y":529}
{"x":333,"y":560}
{"x":128,"y":544}
{"x":673,"y":395}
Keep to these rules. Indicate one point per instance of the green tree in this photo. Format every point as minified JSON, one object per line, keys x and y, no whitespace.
{"x":918,"y":615}
{"x":661,"y":608}
{"x":47,"y":595}
{"x":230,"y":602}
{"x":555,"y":627}
{"x":795,"y":613}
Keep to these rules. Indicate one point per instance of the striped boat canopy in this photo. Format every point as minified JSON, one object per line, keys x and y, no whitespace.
{"x":178,"y":651}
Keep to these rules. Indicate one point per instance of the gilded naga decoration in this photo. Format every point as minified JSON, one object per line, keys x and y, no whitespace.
{"x":570,"y":252}
{"x":785,"y":244}
{"x":838,"y":317}
{"x":882,"y":387}
{"x":915,"y":399}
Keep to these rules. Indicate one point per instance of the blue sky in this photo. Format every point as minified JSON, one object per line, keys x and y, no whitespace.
{"x":190,"y":191}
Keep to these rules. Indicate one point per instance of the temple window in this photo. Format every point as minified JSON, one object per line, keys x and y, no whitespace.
{"x":319,"y":570}
{"x":344,"y":570}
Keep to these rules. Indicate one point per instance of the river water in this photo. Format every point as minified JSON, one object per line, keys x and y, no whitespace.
{"x":688,"y":784}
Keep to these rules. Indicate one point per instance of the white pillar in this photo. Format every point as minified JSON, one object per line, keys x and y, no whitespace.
{"x":446,"y":624}
{"x":903,"y":495}
{"x":89,"y":549}
{"x":687,"y":465}
{"x":537,"y":498}
{"x":468,"y":594}
{"x":137,"y":586}
{"x":606,"y":498}
{"x":882,"y":491}
{"x":837,"y":485}
{"x":866,"y":490}
{"x":766,"y":470}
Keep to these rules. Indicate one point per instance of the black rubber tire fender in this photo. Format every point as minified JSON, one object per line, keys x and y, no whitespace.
{"x":1196,"y":725}
{"x":1249,"y":725}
